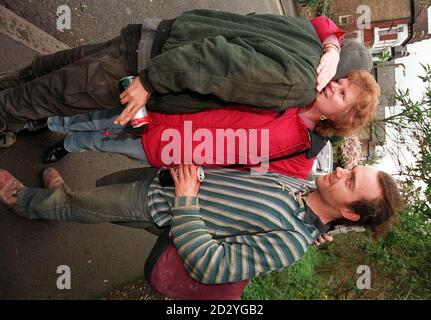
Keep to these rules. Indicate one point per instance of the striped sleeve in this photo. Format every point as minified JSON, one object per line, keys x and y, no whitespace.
{"x":233,"y":259}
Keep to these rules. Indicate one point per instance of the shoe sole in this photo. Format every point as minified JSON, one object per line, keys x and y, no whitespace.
{"x":9,"y":183}
{"x":11,"y":142}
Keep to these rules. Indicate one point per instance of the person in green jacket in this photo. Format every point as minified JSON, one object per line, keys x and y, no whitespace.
{"x":203,"y":59}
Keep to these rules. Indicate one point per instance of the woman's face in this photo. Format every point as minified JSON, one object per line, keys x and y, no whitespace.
{"x":336,"y":98}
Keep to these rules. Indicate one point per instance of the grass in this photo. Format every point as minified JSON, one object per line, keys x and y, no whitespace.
{"x":298,"y":282}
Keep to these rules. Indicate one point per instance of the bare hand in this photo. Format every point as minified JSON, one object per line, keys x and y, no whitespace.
{"x":186,"y":183}
{"x":327,"y":68}
{"x":322,"y":239}
{"x":135,"y":97}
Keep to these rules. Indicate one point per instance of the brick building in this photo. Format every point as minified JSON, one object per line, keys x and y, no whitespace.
{"x":420,"y":25}
{"x":375,"y":23}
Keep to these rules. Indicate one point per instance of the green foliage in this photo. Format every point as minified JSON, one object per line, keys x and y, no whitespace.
{"x":321,"y":6}
{"x":405,"y":257}
{"x":384,"y":56}
{"x":297,"y":282}
{"x":414,"y":121}
{"x":336,"y":143}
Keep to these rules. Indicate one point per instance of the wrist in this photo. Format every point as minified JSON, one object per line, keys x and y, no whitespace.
{"x":330,"y":46}
{"x":186,"y":194}
{"x":186,"y":201}
{"x":145,"y":81}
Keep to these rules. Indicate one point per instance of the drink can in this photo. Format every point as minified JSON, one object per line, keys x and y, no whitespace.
{"x":141,"y":118}
{"x":165,"y":177}
{"x":125,"y":83}
{"x":201,"y":174}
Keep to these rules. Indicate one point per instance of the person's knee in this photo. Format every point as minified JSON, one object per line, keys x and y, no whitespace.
{"x":57,"y":124}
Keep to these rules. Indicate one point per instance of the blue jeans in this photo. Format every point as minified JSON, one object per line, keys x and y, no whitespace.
{"x":84,"y":132}
{"x":124,"y":204}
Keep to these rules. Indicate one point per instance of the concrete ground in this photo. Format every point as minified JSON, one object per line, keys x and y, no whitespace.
{"x":101,"y":257}
{"x":100,"y":20}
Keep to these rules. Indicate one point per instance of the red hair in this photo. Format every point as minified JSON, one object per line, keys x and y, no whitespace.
{"x":368,"y":90}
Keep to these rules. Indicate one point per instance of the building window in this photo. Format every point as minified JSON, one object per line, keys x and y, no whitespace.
{"x":393,"y":30}
{"x":345,"y":20}
{"x":357,"y":35}
{"x":389,"y":37}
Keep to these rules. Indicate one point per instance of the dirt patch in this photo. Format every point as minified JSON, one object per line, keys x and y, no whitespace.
{"x":139,"y":290}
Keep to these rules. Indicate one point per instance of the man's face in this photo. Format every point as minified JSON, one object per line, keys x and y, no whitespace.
{"x":336,"y":98}
{"x":342,"y":187}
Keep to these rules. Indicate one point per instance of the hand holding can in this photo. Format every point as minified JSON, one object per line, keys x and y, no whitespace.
{"x":186,"y":180}
{"x":141,"y":118}
{"x":166,"y":178}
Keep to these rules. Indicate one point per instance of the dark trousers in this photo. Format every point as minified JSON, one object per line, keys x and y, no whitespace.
{"x":65,"y":83}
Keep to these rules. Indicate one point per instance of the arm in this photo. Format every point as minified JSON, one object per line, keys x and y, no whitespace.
{"x":210,"y":260}
{"x":325,"y":28}
{"x":330,"y":36}
{"x":232,"y":72}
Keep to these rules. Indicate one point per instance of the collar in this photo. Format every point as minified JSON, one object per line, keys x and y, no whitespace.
{"x":317,"y":144}
{"x":311,"y":218}
{"x":304,"y":212}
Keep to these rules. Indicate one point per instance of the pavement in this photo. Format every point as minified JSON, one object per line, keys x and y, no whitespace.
{"x":101,"y":257}
{"x":100,"y":20}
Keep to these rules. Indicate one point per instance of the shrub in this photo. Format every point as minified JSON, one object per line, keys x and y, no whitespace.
{"x":404,"y":256}
{"x":300,"y":281}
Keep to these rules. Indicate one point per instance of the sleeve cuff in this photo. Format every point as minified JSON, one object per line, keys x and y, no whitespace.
{"x":186,"y":202}
{"x":143,"y":76}
{"x":332,"y":39}
{"x":325,"y":27}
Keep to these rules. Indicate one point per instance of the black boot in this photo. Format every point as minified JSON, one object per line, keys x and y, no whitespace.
{"x":56,"y":153}
{"x":7,"y":139}
{"x":36,"y":126}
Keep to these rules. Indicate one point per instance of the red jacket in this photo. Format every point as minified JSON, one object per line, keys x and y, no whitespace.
{"x":286,"y":134}
{"x":325,"y":27}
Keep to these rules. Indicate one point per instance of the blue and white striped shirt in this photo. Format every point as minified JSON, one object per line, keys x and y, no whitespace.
{"x":239,"y":226}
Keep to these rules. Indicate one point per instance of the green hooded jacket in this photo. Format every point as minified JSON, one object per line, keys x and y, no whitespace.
{"x":214,"y":58}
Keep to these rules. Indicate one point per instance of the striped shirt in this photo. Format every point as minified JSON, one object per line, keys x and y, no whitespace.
{"x":239,"y":226}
